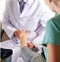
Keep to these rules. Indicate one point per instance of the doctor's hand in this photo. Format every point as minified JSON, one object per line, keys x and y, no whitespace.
{"x":17,"y":33}
{"x":23,"y":36}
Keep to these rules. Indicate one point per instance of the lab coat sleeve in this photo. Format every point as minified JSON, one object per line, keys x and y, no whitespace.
{"x":38,"y":40}
{"x":30,"y":56}
{"x":41,"y":29}
{"x":6,"y":24}
{"x":27,"y":54}
{"x":46,"y":16}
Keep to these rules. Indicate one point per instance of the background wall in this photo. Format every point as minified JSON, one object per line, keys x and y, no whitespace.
{"x":2,"y":8}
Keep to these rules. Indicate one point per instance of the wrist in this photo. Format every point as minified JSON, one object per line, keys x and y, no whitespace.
{"x":24,"y":45}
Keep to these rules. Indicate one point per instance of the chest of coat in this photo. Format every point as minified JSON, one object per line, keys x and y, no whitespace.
{"x":29,"y":18}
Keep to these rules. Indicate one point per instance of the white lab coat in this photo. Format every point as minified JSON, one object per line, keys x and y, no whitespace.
{"x":35,"y":13}
{"x":33,"y":19}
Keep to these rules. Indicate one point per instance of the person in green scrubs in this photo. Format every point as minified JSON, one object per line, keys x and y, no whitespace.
{"x":51,"y":41}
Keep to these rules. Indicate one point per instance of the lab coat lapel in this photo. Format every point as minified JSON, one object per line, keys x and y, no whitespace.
{"x":26,"y":8}
{"x":16,"y":10}
{"x":15,"y":13}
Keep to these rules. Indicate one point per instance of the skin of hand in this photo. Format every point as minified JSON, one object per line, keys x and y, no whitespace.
{"x":30,"y":45}
{"x":23,"y":36}
{"x":24,"y":39}
{"x":17,"y":33}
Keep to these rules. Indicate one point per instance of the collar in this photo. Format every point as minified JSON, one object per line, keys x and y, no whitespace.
{"x":24,"y":0}
{"x":28,"y":1}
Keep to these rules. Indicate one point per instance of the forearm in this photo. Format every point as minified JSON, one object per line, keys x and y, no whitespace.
{"x":8,"y":28}
{"x":30,"y":56}
{"x":53,"y":53}
{"x":27,"y":54}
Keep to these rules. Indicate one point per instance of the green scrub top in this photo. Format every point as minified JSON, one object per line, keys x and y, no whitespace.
{"x":52,"y":35}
